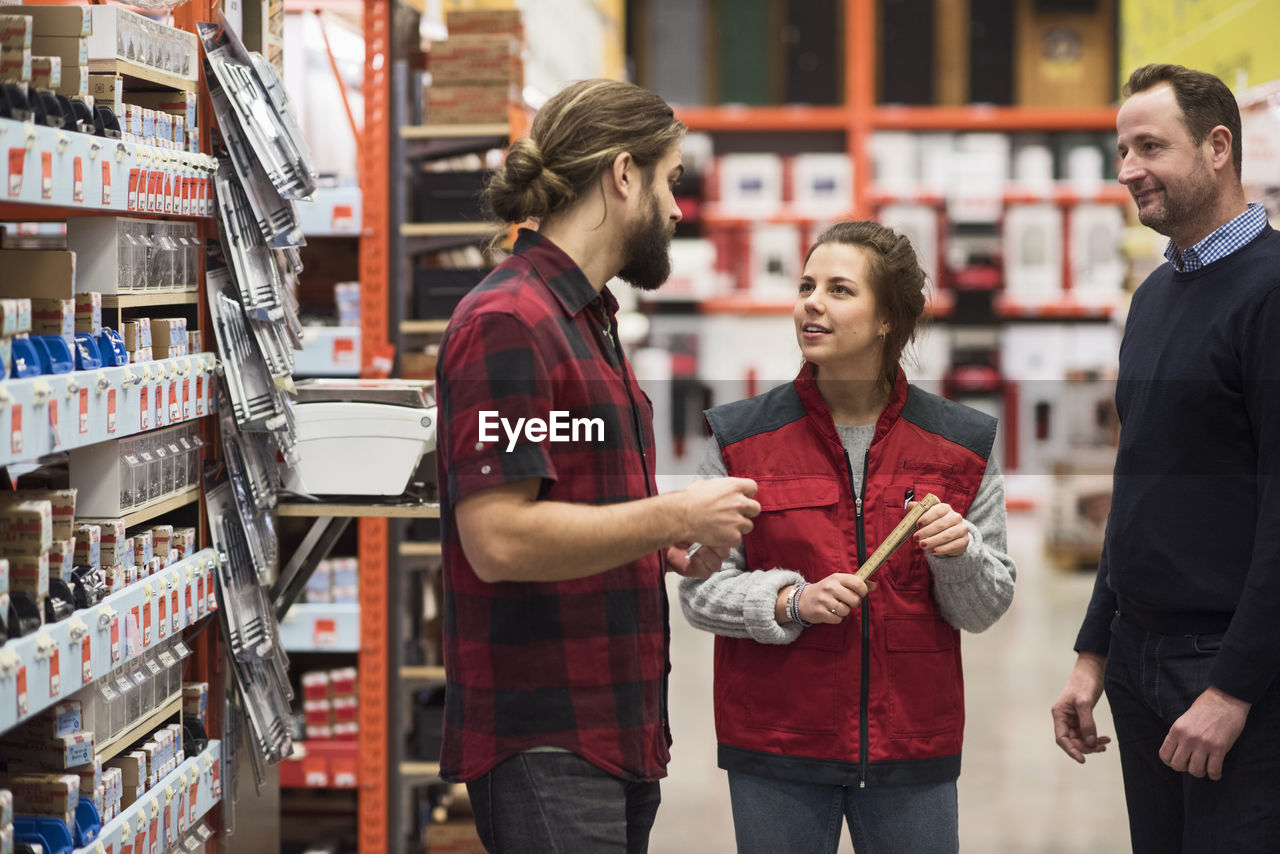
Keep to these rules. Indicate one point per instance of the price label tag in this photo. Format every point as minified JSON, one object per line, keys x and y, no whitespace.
{"x":106,"y":183}
{"x":191,"y":608}
{"x":77,"y":180}
{"x":174,"y":614}
{"x":111,"y":411}
{"x":115,"y":638}
{"x":201,"y":604}
{"x":200,"y":395}
{"x":154,"y":188}
{"x":186,"y":398}
{"x":46,"y":175}
{"x":168,"y":194}
{"x":134,"y":178}
{"x":164,"y":622}
{"x":86,"y":661}
{"x":84,"y":411}
{"x":175,"y":404}
{"x":216,"y":788}
{"x":159,"y":404}
{"x":17,"y":157}
{"x":55,"y":677}
{"x":144,"y":409}
{"x":186,"y":196}
{"x":192,"y":799}
{"x":324,"y":633}
{"x":54,"y":438}
{"x":23,"y":706}
{"x":15,"y":429}
{"x":154,"y":835}
{"x":146,"y":624}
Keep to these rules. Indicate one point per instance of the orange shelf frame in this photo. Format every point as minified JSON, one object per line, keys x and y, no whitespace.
{"x":979,"y":117}
{"x":374,"y":772}
{"x":784,"y":118}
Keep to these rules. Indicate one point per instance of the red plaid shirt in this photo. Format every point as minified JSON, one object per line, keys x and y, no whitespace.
{"x":580,"y":665}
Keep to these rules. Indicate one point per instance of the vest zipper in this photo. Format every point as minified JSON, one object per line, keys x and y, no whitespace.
{"x":864,"y":717}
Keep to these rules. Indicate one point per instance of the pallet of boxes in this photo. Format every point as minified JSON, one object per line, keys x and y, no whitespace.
{"x":477,"y":73}
{"x":1080,"y":492}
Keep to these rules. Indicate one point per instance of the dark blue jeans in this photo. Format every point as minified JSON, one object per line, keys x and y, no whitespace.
{"x":559,"y":803}
{"x":1151,"y":680}
{"x":781,"y":817}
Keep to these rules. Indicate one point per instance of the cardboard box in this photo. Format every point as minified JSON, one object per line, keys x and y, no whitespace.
{"x":30,"y":574}
{"x":62,"y":558}
{"x":54,"y":795}
{"x":168,"y":337}
{"x":15,"y":316}
{"x":1065,"y":59}
{"x":72,"y":50}
{"x":38,"y":273}
{"x":58,"y":754}
{"x":143,"y":548}
{"x":46,"y":71}
{"x":16,"y":31}
{"x":180,"y":104}
{"x":15,"y":64}
{"x":91,"y":776}
{"x":107,"y":89}
{"x":465,"y":22}
{"x":469,"y":104}
{"x":89,"y":545}
{"x":89,"y":313}
{"x":137,"y":334}
{"x":57,"y":20}
{"x":26,"y":527}
{"x":54,"y":317}
{"x":62,"y":503}
{"x":476,"y":59}
{"x":195,"y":701}
{"x":75,"y":81}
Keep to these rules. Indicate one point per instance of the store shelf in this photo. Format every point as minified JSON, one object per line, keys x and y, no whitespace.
{"x":112,"y":747}
{"x":328,"y":351}
{"x":939,"y":304}
{"x":423,"y":327}
{"x":333,"y":212}
{"x":147,"y":299}
{"x":176,"y":803}
{"x":1061,"y":194}
{"x":485,"y":131}
{"x":991,"y":118}
{"x":321,"y":627}
{"x":59,"y":412}
{"x":419,"y":769}
{"x":321,"y":765}
{"x":447,"y":229}
{"x":422,"y":673}
{"x":77,"y":172}
{"x":376,"y":511}
{"x":142,"y":73}
{"x":118,"y":629}
{"x":714,"y":218}
{"x":420,"y":550}
{"x":433,"y":141}
{"x":163,"y":506}
{"x":763,"y":119}
{"x":1065,"y":307}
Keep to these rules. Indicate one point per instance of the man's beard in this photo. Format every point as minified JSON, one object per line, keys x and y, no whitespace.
{"x":1184,"y":204}
{"x":648,"y":252}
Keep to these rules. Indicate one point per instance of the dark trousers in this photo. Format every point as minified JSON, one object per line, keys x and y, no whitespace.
{"x":1151,"y":680}
{"x":559,"y":803}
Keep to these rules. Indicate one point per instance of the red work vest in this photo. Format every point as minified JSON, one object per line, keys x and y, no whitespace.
{"x":878,"y":699}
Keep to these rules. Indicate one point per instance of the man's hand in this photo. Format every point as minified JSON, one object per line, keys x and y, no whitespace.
{"x":720,"y":510}
{"x":1073,"y":726}
{"x":942,"y":531}
{"x":1199,"y":740}
{"x":705,"y":562}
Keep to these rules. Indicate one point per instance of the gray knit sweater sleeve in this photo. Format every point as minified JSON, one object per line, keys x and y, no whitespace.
{"x":736,"y":602}
{"x":972,"y":589}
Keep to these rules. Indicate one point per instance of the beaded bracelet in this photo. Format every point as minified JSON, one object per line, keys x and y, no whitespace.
{"x":795,"y":605}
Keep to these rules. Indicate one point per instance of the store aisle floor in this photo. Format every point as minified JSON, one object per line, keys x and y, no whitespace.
{"x":1019,"y":794}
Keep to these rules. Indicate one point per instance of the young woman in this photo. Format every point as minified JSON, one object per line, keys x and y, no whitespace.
{"x":836,"y":698}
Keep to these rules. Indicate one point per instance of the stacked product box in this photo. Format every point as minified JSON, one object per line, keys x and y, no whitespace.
{"x":26,"y":539}
{"x":44,"y":759}
{"x":16,"y":33}
{"x":15,"y":320}
{"x":56,"y":43}
{"x":478,"y":71}
{"x":334,"y":581}
{"x":330,"y":704}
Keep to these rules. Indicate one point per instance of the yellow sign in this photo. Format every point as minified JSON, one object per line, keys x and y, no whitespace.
{"x":1234,"y":39}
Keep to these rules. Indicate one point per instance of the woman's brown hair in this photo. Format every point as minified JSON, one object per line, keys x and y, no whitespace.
{"x":896,"y":279}
{"x":575,"y":137}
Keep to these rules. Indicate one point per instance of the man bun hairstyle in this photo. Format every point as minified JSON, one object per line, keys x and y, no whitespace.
{"x":575,"y":137}
{"x":896,"y":279}
{"x":1204,"y":99}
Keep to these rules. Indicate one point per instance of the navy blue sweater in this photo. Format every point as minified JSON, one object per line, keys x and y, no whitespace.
{"x":1193,"y":539}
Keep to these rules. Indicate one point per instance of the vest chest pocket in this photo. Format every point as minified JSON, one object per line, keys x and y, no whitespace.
{"x":907,"y":569}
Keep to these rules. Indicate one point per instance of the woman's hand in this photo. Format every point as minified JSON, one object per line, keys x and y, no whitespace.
{"x":942,"y":531}
{"x":827,"y":601}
